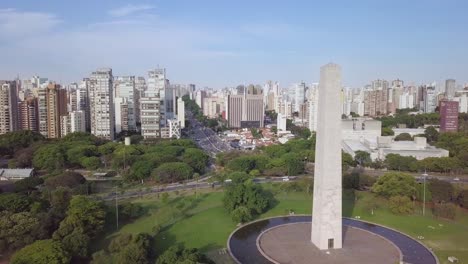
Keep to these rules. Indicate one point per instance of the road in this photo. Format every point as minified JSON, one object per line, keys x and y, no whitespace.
{"x":205,"y":137}
{"x":179,"y":187}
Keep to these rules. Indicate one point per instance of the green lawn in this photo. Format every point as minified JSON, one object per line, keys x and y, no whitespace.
{"x":202,"y":222}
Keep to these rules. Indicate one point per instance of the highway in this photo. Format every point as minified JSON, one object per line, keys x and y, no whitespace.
{"x":205,"y":137}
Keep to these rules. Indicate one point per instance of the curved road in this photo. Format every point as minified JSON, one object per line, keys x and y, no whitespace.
{"x":243,"y":247}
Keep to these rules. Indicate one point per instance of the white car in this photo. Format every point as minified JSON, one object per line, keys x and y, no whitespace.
{"x":456,"y":179}
{"x":285,"y":178}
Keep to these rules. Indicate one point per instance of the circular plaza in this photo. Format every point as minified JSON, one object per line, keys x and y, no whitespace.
{"x":287,"y":240}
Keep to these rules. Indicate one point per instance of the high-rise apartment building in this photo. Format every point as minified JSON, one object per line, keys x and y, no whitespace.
{"x":9,"y":104}
{"x":126,"y":101}
{"x":213,"y":106}
{"x":152,"y":105}
{"x":56,"y":100}
{"x":181,"y":112}
{"x":74,"y":121}
{"x":101,"y":103}
{"x":234,"y":110}
{"x":28,"y":114}
{"x":450,"y":88}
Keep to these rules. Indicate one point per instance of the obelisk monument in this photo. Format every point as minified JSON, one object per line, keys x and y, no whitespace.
{"x":327,"y":206}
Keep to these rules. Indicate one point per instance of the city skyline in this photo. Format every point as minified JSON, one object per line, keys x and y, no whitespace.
{"x":212,"y":44}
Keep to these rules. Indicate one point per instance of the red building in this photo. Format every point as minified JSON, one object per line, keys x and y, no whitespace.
{"x":448,"y":116}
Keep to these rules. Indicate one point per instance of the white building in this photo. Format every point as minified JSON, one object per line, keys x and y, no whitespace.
{"x":181,"y":112}
{"x":101,"y":103}
{"x":126,"y":101}
{"x":152,"y":107}
{"x":281,"y":122}
{"x":73,"y":122}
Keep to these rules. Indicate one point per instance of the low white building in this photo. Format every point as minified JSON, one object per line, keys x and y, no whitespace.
{"x":412,"y":131}
{"x":15,"y":174}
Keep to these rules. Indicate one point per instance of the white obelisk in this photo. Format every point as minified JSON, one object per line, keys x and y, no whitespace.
{"x":327,"y":211}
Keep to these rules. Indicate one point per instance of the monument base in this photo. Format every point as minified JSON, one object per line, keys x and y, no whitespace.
{"x":290,"y":243}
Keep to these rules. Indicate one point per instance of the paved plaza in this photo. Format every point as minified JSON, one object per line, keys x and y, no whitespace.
{"x":290,"y":244}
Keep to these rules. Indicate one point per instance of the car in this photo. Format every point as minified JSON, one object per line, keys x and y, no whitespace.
{"x":456,"y":179}
{"x":285,"y":178}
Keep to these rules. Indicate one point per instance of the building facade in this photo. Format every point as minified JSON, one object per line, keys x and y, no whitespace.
{"x":101,"y":103}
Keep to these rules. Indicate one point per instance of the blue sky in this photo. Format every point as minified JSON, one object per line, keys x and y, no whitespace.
{"x":225,"y":43}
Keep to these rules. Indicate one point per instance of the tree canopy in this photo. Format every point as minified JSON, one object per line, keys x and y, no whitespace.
{"x":395,"y":184}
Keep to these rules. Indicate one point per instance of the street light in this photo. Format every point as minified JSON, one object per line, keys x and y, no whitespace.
{"x":424,"y":192}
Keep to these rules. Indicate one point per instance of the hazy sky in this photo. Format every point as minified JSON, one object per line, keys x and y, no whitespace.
{"x":224,"y":43}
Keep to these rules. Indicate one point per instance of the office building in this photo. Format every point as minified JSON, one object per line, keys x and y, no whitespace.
{"x":213,"y":107}
{"x":235,"y":110}
{"x":101,"y":103}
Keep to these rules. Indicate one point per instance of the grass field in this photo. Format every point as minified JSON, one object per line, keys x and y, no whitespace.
{"x":202,"y":222}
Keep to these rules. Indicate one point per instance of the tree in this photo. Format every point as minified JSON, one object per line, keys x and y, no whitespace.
{"x":68,"y":179}
{"x":463,"y":199}
{"x":42,"y":252}
{"x":444,"y":210}
{"x":18,"y":230}
{"x":442,"y":191}
{"x":76,"y":243}
{"x":387,"y":131}
{"x":294,"y":163}
{"x":395,"y":184}
{"x":13,"y":141}
{"x":179,"y":254}
{"x":401,"y":163}
{"x":28,"y":184}
{"x":50,"y":157}
{"x":347,"y":160}
{"x":362,"y":158}
{"x":242,"y":192}
{"x":241,"y":214}
{"x":195,"y":158}
{"x":173,"y":171}
{"x":90,"y":163}
{"x":404,"y":137}
{"x":85,"y":214}
{"x":14,"y":202}
{"x":140,"y":170}
{"x":431,"y":134}
{"x":78,"y":151}
{"x":401,"y":204}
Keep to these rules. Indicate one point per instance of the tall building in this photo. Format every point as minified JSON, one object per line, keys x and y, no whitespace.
{"x":101,"y":103}
{"x":9,"y":104}
{"x":429,"y":100}
{"x":253,"y":112}
{"x":375,"y":102}
{"x":42,"y":111}
{"x":450,"y":88}
{"x":213,"y":106}
{"x":200,"y":96}
{"x":74,"y":121}
{"x":299,"y":95}
{"x":126,"y":101}
{"x":181,"y":112}
{"x":28,"y":114}
{"x":152,"y":104}
{"x":235,"y":110}
{"x":56,"y":100}
{"x":327,"y":203}
{"x":448,"y":116}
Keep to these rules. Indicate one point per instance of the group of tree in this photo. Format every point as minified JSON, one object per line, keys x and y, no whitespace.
{"x":299,"y":131}
{"x":410,"y":120}
{"x":165,"y":161}
{"x":243,"y":199}
{"x":399,"y":189}
{"x":127,"y":248}
{"x":402,"y":189}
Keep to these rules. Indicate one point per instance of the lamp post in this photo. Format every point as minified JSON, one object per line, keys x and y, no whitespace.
{"x":424,"y":193}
